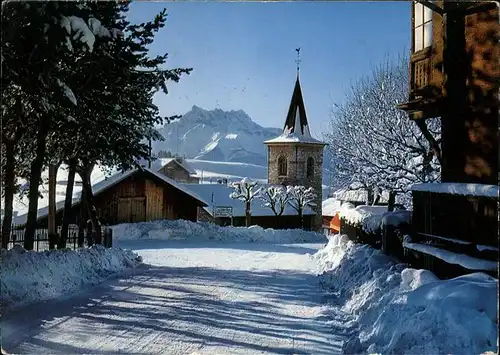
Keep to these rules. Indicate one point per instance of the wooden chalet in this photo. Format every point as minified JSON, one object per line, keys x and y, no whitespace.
{"x":137,"y":195}
{"x":176,"y":169}
{"x":454,"y":75}
{"x":454,"y":72}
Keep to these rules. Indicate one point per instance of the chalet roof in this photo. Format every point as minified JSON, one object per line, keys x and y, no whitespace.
{"x":159,"y":163}
{"x":296,"y":127}
{"x":218,"y":195}
{"x":109,"y":182}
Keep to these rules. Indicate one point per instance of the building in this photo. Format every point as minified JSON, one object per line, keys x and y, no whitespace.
{"x":176,"y":169}
{"x":454,"y":75}
{"x":136,"y":195}
{"x":217,"y":197}
{"x":454,"y":72}
{"x":295,"y":157}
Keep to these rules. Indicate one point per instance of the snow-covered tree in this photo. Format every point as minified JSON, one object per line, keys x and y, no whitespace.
{"x":246,"y":190}
{"x":276,"y":198}
{"x":375,"y":144}
{"x":301,"y":197}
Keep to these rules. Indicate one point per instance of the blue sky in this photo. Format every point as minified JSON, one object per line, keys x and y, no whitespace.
{"x":243,"y":53}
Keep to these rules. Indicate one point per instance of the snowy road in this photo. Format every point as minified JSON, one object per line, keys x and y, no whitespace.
{"x":193,"y":298}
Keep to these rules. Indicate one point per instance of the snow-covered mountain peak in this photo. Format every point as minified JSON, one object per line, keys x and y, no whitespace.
{"x":217,"y":135}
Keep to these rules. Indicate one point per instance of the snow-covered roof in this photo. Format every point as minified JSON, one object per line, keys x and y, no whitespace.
{"x":218,"y":195}
{"x":296,"y":129}
{"x":182,"y":187}
{"x":159,"y":163}
{"x":106,"y":184}
{"x":330,"y":207}
{"x":459,"y":189}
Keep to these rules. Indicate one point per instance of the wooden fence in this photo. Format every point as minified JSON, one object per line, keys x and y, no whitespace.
{"x":42,"y":242}
{"x":390,"y":241}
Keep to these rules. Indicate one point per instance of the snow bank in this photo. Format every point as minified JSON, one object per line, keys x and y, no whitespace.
{"x":395,"y":310}
{"x":186,"y":230}
{"x":372,"y":218}
{"x":29,"y":276}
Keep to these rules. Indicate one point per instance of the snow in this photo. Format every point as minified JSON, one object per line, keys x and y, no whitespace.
{"x":486,"y":247}
{"x":218,"y":195}
{"x":358,"y":215}
{"x":98,"y":29}
{"x":29,"y":276}
{"x":217,"y":135}
{"x":233,"y":171}
{"x":179,"y":186}
{"x":99,"y":187}
{"x":189,"y":298}
{"x":463,"y":260}
{"x":161,"y":162}
{"x":82,"y":32}
{"x":67,"y":92}
{"x":202,"y":231}
{"x":292,"y":137}
{"x":330,"y":207}
{"x":386,"y":308}
{"x":459,"y":189}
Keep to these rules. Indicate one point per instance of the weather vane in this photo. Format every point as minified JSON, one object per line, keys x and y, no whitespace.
{"x":298,"y":60}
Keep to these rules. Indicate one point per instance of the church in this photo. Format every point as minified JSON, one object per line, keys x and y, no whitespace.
{"x":293,"y":158}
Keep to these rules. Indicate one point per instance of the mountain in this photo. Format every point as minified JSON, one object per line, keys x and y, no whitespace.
{"x":217,"y":135}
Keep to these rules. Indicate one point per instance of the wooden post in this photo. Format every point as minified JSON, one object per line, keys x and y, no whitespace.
{"x":453,"y":117}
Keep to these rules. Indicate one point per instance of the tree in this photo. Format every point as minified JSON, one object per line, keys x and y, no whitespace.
{"x":33,"y":61}
{"x":374,"y":144}
{"x":300,"y":198}
{"x":276,"y":198}
{"x":245,"y":190}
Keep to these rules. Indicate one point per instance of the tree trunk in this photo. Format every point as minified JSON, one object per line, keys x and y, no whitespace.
{"x":92,"y":213}
{"x":67,"y":204}
{"x":301,"y":217}
{"x":35,"y":175}
{"x":52,"y":227}
{"x":392,"y":201}
{"x":9,"y":186}
{"x":278,"y":221}
{"x":82,"y":223}
{"x":247,"y":214}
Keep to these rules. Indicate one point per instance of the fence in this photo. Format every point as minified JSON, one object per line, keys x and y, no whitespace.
{"x":42,"y":242}
{"x":389,"y":240}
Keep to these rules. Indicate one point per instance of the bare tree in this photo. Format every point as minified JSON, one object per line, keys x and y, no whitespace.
{"x":245,"y":190}
{"x":375,"y":144}
{"x":300,"y":198}
{"x":276,"y":198}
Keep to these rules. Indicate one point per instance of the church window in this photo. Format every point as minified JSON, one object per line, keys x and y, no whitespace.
{"x":310,"y":167}
{"x":282,"y":168}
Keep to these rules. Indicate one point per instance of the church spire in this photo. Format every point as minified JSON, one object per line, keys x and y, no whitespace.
{"x":296,"y":120}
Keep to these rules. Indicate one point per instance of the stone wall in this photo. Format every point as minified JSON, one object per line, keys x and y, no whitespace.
{"x":296,"y":156}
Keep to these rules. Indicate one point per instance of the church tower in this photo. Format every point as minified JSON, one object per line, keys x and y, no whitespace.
{"x":295,"y":157}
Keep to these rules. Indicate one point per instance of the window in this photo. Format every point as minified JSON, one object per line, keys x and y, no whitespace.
{"x":282,"y":166}
{"x":310,"y":167}
{"x":422,"y":27}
